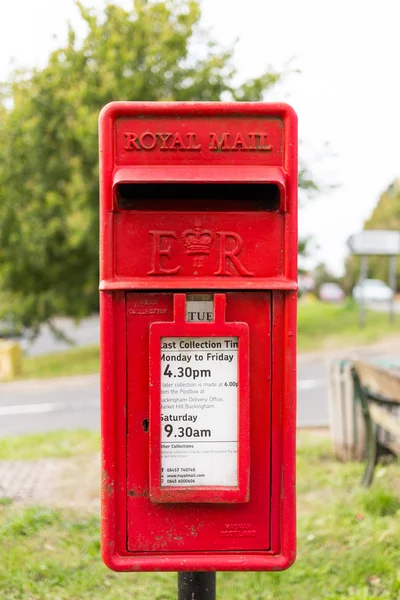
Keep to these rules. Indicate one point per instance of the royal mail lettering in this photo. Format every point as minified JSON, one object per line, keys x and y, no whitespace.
{"x":217,"y":142}
{"x":161,"y":140}
{"x":239,"y":141}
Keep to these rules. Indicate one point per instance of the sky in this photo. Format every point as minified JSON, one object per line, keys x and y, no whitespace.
{"x":347,"y":95}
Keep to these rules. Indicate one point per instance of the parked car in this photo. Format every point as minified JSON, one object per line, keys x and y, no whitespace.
{"x":372,"y":290}
{"x":331,"y":292}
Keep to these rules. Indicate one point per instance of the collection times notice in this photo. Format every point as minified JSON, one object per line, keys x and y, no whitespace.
{"x":199,"y":411}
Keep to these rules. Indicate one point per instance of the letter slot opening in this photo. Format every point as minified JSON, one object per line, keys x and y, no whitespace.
{"x":199,"y":196}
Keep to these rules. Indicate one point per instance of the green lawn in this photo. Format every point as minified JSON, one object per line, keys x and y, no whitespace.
{"x":75,"y":361}
{"x":326,"y":326}
{"x":321,"y":326}
{"x":348,"y":545}
{"x":55,"y":444}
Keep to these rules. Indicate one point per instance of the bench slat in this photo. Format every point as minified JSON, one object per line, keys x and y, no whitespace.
{"x":379,"y":381}
{"x":383,"y":418}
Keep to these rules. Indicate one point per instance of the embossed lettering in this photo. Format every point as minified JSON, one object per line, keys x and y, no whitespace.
{"x":148,"y":140}
{"x":178,"y":143}
{"x":252,"y":137}
{"x":242,"y":142}
{"x":221,"y":143}
{"x":191,"y":141}
{"x":131,"y":140}
{"x":218,"y":142}
{"x":239,"y":143}
{"x":238,"y":530}
{"x":263,"y":140}
{"x":197,"y":242}
{"x":147,"y":311}
{"x":164,"y":137}
{"x":230,"y":253}
{"x":159,"y":252}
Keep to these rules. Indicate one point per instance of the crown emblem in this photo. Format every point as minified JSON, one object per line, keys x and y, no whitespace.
{"x":197,"y":242}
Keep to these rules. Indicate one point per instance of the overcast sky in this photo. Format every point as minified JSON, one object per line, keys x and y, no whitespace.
{"x":347,"y":95}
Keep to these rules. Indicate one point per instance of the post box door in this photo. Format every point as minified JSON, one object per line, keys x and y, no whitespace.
{"x":177,"y":527}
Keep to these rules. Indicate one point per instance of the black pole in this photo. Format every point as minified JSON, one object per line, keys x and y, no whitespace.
{"x":196,"y":586}
{"x":392,"y":283}
{"x":363,"y":276}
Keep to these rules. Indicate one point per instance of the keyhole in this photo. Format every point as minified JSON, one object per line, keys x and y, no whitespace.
{"x":145,"y":425}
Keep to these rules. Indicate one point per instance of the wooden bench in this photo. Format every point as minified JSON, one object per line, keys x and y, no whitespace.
{"x":378,"y":391}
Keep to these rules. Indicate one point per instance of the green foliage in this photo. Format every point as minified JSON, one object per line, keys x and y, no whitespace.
{"x":74,"y":361}
{"x":5,"y":501}
{"x":306,"y":181}
{"x":381,"y":503}
{"x":303,"y":247}
{"x":386,"y":215}
{"x":321,"y":275}
{"x":29,"y":522}
{"x":323,"y":326}
{"x":48,"y":143}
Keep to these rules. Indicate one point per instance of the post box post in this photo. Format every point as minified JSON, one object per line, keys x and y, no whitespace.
{"x":197,"y":586}
{"x":198,"y":295}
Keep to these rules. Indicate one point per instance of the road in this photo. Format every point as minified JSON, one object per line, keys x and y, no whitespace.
{"x":84,"y":333}
{"x":74,"y":402}
{"x":49,"y":405}
{"x":71,"y":403}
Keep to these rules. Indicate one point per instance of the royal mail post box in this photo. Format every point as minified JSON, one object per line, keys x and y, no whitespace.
{"x":198,"y":261}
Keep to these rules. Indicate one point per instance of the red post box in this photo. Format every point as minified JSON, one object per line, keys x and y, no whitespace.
{"x":198,"y":261}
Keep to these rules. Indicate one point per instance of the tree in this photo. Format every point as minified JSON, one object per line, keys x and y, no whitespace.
{"x":386,"y":215}
{"x":321,"y":275}
{"x":48,"y":143}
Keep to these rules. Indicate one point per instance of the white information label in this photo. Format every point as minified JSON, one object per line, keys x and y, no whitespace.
{"x":199,"y":411}
{"x":199,"y":311}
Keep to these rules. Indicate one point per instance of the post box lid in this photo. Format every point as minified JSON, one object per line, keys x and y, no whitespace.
{"x":200,"y":174}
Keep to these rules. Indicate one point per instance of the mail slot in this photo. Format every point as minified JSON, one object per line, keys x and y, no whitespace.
{"x":198,"y":289}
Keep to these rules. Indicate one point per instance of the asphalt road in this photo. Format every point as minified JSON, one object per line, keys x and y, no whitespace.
{"x":84,"y":333}
{"x":72,"y":403}
{"x":49,"y":405}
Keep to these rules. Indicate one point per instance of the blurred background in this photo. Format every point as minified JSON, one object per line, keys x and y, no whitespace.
{"x":337,"y":64}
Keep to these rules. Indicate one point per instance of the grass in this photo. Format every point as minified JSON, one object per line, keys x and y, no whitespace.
{"x":348,"y":545}
{"x":56,"y":444}
{"x":323,"y":326}
{"x":75,"y":361}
